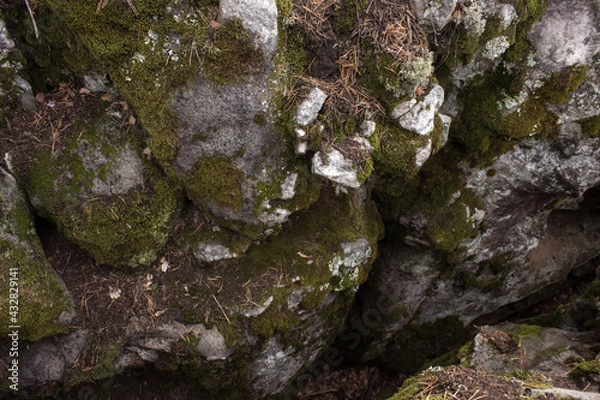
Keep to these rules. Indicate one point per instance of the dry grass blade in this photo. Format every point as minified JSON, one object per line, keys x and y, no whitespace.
{"x":313,"y":15}
{"x":393,"y":30}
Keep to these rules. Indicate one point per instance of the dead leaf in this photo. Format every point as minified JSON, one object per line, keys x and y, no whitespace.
{"x":106,"y":97}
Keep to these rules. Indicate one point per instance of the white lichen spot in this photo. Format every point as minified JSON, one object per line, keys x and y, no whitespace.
{"x":139,"y":57}
{"x":495,"y":47}
{"x":151,"y":39}
{"x":473,"y":19}
{"x":288,"y":186}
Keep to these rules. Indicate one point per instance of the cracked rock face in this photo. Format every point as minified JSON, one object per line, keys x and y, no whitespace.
{"x":45,"y":305}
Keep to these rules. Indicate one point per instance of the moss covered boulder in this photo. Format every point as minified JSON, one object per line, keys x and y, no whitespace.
{"x":485,"y":222}
{"x":206,"y":84}
{"x":93,"y":183}
{"x":36,"y":299}
{"x":245,"y":327}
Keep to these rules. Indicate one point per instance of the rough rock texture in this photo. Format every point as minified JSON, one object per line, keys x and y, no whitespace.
{"x":36,"y":298}
{"x":13,"y":88}
{"x":259,"y":17}
{"x":419,"y":116}
{"x":102,"y":195}
{"x":567,"y":34}
{"x":499,"y":235}
{"x":245,"y":153}
{"x":434,"y":14}
{"x":335,"y":167}
{"x":524,"y":360}
{"x":47,"y":361}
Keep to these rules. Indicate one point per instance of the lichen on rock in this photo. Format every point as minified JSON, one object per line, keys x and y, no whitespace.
{"x":102,"y":195}
{"x":37,"y":299}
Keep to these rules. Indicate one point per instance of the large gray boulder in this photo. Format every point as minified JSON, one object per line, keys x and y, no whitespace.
{"x":482,"y":235}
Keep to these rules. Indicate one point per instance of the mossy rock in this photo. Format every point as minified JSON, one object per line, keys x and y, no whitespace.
{"x":102,"y":195}
{"x":485,"y":120}
{"x":396,"y":150}
{"x":36,"y":298}
{"x":185,"y":77}
{"x":316,"y":246}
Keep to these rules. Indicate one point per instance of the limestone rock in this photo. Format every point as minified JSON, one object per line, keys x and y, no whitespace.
{"x":434,"y":14}
{"x":419,"y":116}
{"x":308,"y":111}
{"x":259,"y":17}
{"x":46,"y":362}
{"x":102,"y":196}
{"x":227,"y":169}
{"x":332,"y":165}
{"x":567,"y":34}
{"x":44,"y":304}
{"x":520,"y":230}
{"x":13,"y":88}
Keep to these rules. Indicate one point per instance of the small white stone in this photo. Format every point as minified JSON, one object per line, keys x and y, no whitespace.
{"x":301,"y":148}
{"x":288,"y":186}
{"x":334,"y":166}
{"x":300,"y":133}
{"x":308,"y":111}
{"x":114,"y":293}
{"x":419,"y":117}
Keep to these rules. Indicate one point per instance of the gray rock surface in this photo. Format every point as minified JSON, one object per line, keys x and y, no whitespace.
{"x":419,"y":116}
{"x":433,"y":14}
{"x":225,"y":116}
{"x":14,"y":88}
{"x":46,"y":362}
{"x":259,"y":17}
{"x":567,"y":34}
{"x":332,"y":165}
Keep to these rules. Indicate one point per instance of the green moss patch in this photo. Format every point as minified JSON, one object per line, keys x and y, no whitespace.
{"x":529,"y":12}
{"x":591,"y":126}
{"x":482,"y":127}
{"x":34,"y":297}
{"x":125,"y":224}
{"x":305,"y":248}
{"x":217,"y":180}
{"x":585,"y":369}
{"x":230,"y":54}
